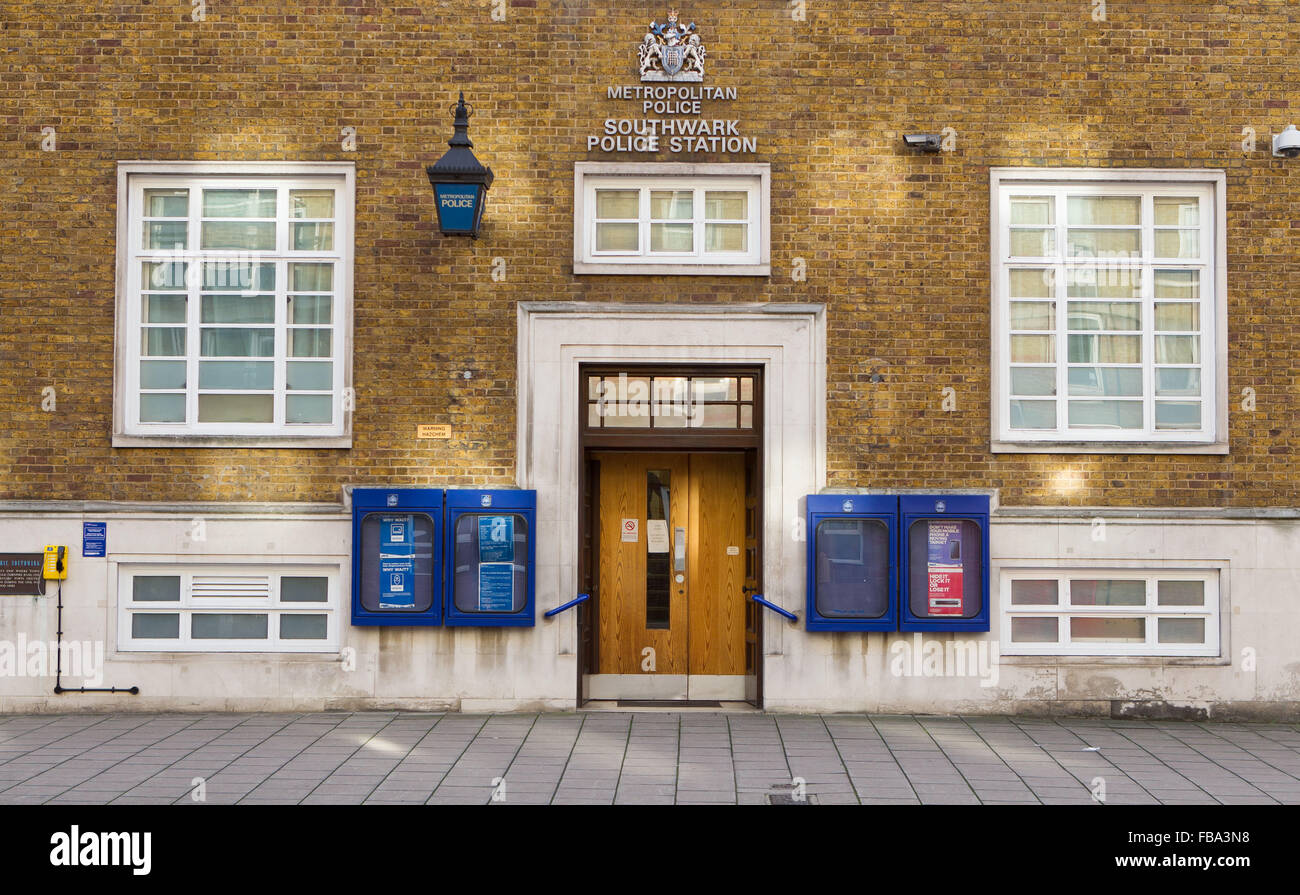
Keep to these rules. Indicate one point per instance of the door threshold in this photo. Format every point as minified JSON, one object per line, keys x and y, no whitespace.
{"x":667,"y":705}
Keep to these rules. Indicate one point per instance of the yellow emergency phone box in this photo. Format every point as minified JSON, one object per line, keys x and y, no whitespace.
{"x":55,"y":567}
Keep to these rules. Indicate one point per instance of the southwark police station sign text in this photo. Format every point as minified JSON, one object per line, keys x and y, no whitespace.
{"x":671,"y":134}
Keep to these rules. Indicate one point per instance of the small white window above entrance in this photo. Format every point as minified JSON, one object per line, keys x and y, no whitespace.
{"x":675,"y":219}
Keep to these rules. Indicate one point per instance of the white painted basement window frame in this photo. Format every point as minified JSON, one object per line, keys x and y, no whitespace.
{"x":752,"y":179}
{"x":1167,"y":596}
{"x":1209,"y":264}
{"x":229,"y":590}
{"x":288,"y":328}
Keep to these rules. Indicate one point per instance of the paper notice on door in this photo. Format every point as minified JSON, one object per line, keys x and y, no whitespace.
{"x":656,"y":535}
{"x":631,"y":531}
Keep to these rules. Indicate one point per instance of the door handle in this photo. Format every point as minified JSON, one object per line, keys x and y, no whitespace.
{"x":746,"y":589}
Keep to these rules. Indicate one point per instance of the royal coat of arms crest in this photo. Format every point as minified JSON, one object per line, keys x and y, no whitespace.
{"x":671,"y":52}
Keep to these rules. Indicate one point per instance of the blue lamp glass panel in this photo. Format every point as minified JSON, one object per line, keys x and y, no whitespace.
{"x":490,"y":557}
{"x":458,"y":205}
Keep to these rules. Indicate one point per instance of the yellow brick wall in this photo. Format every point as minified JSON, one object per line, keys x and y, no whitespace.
{"x":896,"y":243}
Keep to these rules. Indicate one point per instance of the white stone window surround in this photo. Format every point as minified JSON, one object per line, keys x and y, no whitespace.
{"x":1214,"y":439}
{"x":753,"y":177}
{"x":285,"y":436}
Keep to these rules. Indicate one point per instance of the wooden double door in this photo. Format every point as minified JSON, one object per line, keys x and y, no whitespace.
{"x":674,"y":558}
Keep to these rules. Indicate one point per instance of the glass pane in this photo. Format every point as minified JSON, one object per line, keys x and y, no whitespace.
{"x":166,"y":203}
{"x":295,"y":589}
{"x":490,"y":563}
{"x":746,"y":388}
{"x":1105,"y":349}
{"x":235,"y":408}
{"x":402,"y":580}
{"x":1178,"y":349}
{"x":162,"y":408}
{"x":714,"y":416}
{"x":672,"y":237}
{"x":163,"y":341}
{"x":1177,"y":212}
{"x":852,"y":557}
{"x":1108,"y":630}
{"x":313,"y":237}
{"x":1033,"y":210}
{"x":165,"y":234}
{"x":1178,"y":381}
{"x":239,"y":203}
{"x":238,"y":276}
{"x":615,"y":204}
{"x":237,"y":309}
{"x":237,"y":375}
{"x":1106,"y":414}
{"x":618,"y":237}
{"x":156,"y":625}
{"x":227,"y":626}
{"x":311,"y":309}
{"x":1181,"y":630}
{"x":726,"y":205}
{"x":1105,"y":382}
{"x":1180,"y":593}
{"x":1178,"y":415}
{"x":1104,"y":282}
{"x":1034,"y":593}
{"x":310,"y":375}
{"x":1105,"y":210}
{"x":1031,"y":282}
{"x":658,"y":560}
{"x":1033,"y":349}
{"x":1034,"y":630}
{"x":311,"y":342}
{"x":946,"y":568}
{"x":162,"y":374}
{"x":1032,"y":243}
{"x":1033,"y":380}
{"x":1105,"y":315}
{"x":311,"y":277}
{"x":303,"y":627}
{"x":1178,"y":284}
{"x":163,"y":276}
{"x":1178,"y":243}
{"x":678,"y":205}
{"x":746,"y":416}
{"x":163,"y":308}
{"x":1033,"y":414}
{"x":248,"y":235}
{"x":1085,"y":592}
{"x":309,"y":409}
{"x":156,"y":588}
{"x":1183,"y":315}
{"x":629,"y":388}
{"x":311,"y":203}
{"x":237,"y":342}
{"x":1033,"y":315}
{"x":1104,"y":243}
{"x":720,"y":389}
{"x":726,"y":237}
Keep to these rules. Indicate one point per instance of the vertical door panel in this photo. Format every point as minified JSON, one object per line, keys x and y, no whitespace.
{"x":717,"y":564}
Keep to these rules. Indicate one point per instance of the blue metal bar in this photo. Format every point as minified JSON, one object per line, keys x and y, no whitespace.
{"x":758,"y":598}
{"x":582,"y":598}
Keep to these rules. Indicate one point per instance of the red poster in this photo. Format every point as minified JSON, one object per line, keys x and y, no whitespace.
{"x":945,"y":568}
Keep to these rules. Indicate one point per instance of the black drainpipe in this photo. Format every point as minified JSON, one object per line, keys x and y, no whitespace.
{"x":59,"y":689}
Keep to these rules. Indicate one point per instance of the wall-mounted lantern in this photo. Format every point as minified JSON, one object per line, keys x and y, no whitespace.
{"x":460,"y":182}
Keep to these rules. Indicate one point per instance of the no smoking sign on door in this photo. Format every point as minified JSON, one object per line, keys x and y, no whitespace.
{"x":631,"y":531}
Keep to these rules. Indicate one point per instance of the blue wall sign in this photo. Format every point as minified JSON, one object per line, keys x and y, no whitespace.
{"x":496,"y":587}
{"x":94,"y":538}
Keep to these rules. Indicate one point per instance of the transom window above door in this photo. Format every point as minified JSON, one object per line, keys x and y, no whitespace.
{"x":671,"y":402}
{"x":671,"y":219}
{"x":235,"y":304}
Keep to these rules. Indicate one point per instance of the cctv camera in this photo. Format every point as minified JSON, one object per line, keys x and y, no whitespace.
{"x":1287,"y":143}
{"x":931,"y":142}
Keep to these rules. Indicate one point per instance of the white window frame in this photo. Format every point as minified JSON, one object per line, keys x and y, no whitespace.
{"x":752,"y":178}
{"x":189,"y":604}
{"x":1212,"y":438}
{"x":132,"y":179}
{"x":1151,"y":611}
